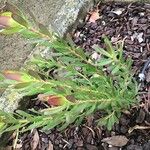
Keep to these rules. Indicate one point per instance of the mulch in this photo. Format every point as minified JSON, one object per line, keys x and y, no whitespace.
{"x":118,"y":21}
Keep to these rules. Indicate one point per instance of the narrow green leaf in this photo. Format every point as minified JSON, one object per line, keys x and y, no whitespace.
{"x":101,"y":51}
{"x":34,"y":125}
{"x":24,"y":114}
{"x":34,"y":74}
{"x":109,"y":47}
{"x":29,"y":34}
{"x":91,"y":109}
{"x":43,"y":29}
{"x":116,"y":69}
{"x":20,"y":20}
{"x":104,"y":62}
{"x":22,"y":85}
{"x":111,"y":121}
{"x":53,"y":123}
{"x":102,"y":121}
{"x":54,"y":110}
{"x":70,"y":117}
{"x":12,"y":128}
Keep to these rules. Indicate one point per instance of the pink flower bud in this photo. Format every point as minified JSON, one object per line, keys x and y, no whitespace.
{"x":8,"y":25}
{"x":12,"y":75}
{"x":53,"y":100}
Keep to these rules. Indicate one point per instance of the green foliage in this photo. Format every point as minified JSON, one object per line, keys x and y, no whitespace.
{"x":106,"y":85}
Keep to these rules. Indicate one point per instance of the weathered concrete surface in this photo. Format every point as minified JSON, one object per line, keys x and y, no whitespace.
{"x":14,"y":51}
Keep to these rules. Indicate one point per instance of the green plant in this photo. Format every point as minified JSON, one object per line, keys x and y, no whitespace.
{"x":78,"y":86}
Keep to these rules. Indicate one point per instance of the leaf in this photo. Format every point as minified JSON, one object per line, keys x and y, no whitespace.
{"x":104,"y":62}
{"x":64,"y":126}
{"x":43,"y":29}
{"x":116,"y":69}
{"x":3,"y":126}
{"x":111,"y":121}
{"x":24,"y":114}
{"x":104,"y":105}
{"x":1,"y":77}
{"x":7,"y":117}
{"x":94,"y":16}
{"x":118,"y":140}
{"x":102,"y":121}
{"x":109,"y":46}
{"x":20,"y":20}
{"x":70,"y":118}
{"x":53,"y":122}
{"x":22,"y":85}
{"x":34,"y":125}
{"x":71,"y":42}
{"x":138,"y":127}
{"x":50,"y":146}
{"x":101,"y":51}
{"x":80,"y":52}
{"x":35,"y":141}
{"x":34,"y":74}
{"x":91,"y":109}
{"x":12,"y":128}
{"x":29,"y":34}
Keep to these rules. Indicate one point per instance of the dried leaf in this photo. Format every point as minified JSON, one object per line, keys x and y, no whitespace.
{"x":94,"y":16}
{"x":35,"y":141}
{"x":118,"y":140}
{"x":50,"y":146}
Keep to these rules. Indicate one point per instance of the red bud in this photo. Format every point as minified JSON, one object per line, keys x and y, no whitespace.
{"x":12,"y":75}
{"x":53,"y":100}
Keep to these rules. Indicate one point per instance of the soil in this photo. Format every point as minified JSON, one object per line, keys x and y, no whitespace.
{"x":118,"y":21}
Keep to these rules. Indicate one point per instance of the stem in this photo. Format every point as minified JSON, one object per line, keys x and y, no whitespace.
{"x":39,"y":33}
{"x":94,"y":101}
